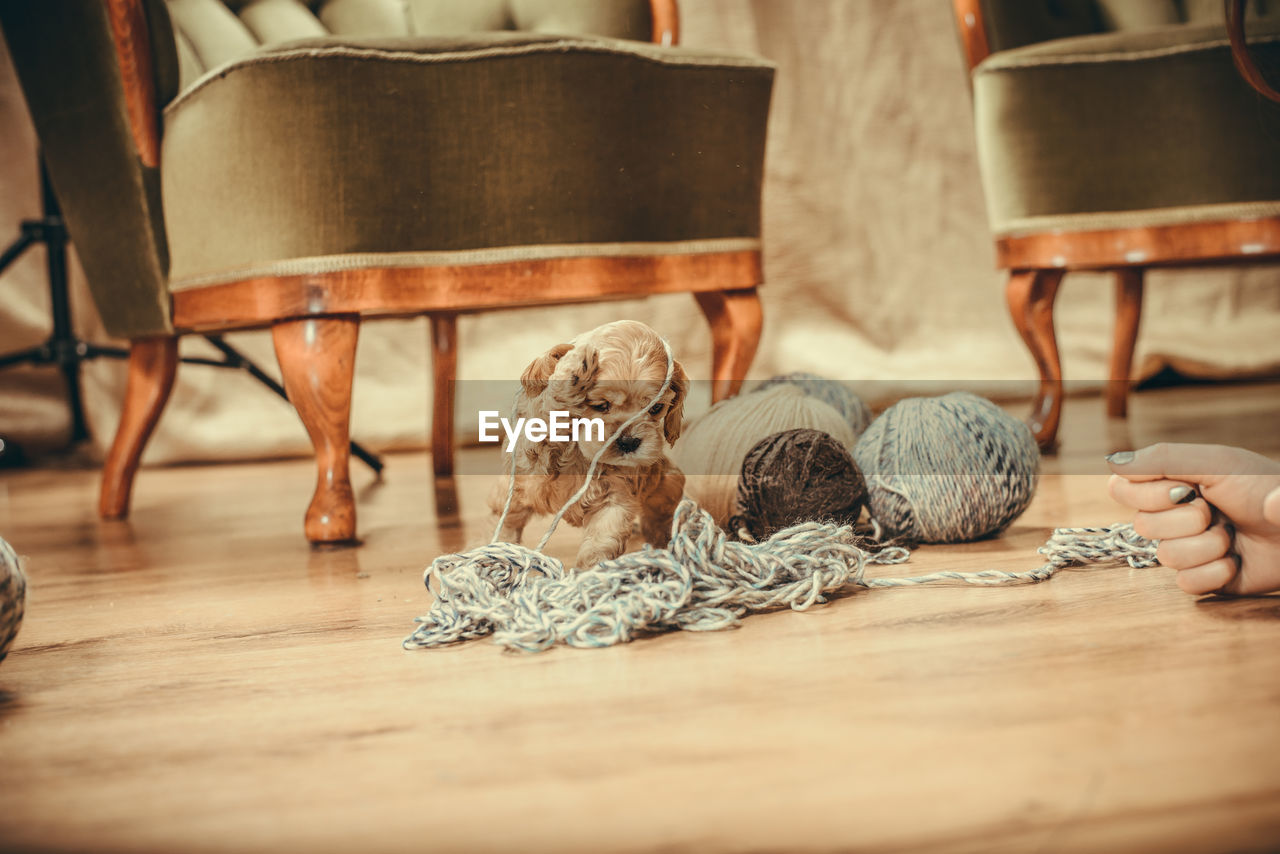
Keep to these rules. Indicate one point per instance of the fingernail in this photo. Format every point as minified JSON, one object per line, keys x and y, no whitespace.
{"x":1180,"y":494}
{"x":1121,"y":458}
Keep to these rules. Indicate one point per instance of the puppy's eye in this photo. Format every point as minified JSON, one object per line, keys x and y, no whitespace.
{"x":602,"y":406}
{"x":657,"y":408}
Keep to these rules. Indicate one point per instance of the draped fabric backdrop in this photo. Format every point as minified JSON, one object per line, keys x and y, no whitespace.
{"x":878,"y":261}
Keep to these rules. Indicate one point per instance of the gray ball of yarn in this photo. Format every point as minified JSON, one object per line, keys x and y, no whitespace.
{"x":797,"y":476}
{"x":13,"y":595}
{"x":947,"y":469}
{"x":837,"y":395}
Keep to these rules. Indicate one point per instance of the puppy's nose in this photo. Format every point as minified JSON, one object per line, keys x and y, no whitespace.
{"x":627,"y":444}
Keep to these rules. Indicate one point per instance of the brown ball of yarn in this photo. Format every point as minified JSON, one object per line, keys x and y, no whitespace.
{"x":797,"y":476}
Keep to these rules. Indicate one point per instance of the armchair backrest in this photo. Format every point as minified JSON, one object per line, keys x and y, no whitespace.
{"x":211,"y":32}
{"x":1014,"y":23}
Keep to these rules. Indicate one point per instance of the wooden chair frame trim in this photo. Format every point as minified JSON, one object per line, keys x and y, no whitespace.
{"x":973,"y":31}
{"x":1224,"y":242}
{"x":666,"y":22}
{"x":459,"y":288}
{"x":133,"y":48}
{"x":1235,"y":10}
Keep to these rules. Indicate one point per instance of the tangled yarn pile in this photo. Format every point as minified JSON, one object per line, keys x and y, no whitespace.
{"x":702,"y":581}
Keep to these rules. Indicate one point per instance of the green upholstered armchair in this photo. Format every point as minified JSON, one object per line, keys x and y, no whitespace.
{"x":306,"y":165}
{"x":1117,"y":135}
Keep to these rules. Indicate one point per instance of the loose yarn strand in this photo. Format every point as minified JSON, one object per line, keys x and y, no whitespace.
{"x":511,"y":485}
{"x":702,"y":581}
{"x":1066,"y":547}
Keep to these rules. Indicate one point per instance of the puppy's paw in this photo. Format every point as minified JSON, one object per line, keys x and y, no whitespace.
{"x":510,"y":534}
{"x":574,"y":376}
{"x":535,"y":377}
{"x":590,"y":557}
{"x":656,"y":531}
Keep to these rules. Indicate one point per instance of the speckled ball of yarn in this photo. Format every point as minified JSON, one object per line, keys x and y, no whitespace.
{"x":797,"y":476}
{"x":13,"y":595}
{"x":947,"y":469}
{"x":837,"y":395}
{"x":713,"y":447}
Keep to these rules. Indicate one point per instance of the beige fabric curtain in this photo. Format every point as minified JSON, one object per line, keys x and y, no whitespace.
{"x":878,"y":260}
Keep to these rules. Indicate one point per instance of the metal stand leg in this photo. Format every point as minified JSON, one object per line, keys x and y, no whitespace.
{"x":65,"y":350}
{"x":62,"y":348}
{"x":236,"y":359}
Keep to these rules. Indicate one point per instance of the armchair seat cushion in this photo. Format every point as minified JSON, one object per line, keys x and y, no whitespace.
{"x":310,"y":156}
{"x":1127,"y":129}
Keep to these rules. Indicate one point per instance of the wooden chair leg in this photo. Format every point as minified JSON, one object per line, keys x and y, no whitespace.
{"x":1128,"y":318}
{"x":153,"y":364}
{"x":1030,"y":294}
{"x":736,"y":318}
{"x":444,"y":364}
{"x":317,"y":359}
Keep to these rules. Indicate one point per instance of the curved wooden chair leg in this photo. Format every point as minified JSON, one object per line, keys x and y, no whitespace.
{"x":1128,"y":318}
{"x":1030,"y":294}
{"x":736,"y":318}
{"x":317,"y":359}
{"x":153,"y":364}
{"x":444,"y":364}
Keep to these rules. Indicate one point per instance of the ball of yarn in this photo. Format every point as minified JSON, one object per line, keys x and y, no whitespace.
{"x":797,"y":476}
{"x":947,"y":469}
{"x":13,"y":595}
{"x":713,"y":447}
{"x":837,"y":395}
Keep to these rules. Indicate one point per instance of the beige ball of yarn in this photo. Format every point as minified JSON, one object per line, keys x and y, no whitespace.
{"x":712,"y":447}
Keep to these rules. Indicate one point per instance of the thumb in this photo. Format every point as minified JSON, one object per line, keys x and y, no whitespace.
{"x":1202,"y":464}
{"x":1271,"y":507}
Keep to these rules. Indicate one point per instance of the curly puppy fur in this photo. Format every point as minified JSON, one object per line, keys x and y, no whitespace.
{"x":608,"y":373}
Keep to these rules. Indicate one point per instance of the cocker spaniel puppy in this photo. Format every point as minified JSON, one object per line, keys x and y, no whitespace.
{"x":609,"y":374}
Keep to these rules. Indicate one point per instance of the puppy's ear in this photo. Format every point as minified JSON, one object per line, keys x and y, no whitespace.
{"x":674,"y":421}
{"x":535,"y":377}
{"x":574,"y":376}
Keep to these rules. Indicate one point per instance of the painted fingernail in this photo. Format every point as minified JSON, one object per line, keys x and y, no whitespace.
{"x":1181,"y":493}
{"x":1121,"y":458}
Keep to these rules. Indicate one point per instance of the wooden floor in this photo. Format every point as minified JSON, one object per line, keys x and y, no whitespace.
{"x":199,"y":679}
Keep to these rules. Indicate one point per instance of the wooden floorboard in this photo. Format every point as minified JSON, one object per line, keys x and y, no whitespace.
{"x":199,"y":679}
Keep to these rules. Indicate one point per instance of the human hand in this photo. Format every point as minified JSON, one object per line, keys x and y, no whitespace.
{"x":1234,"y":550}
